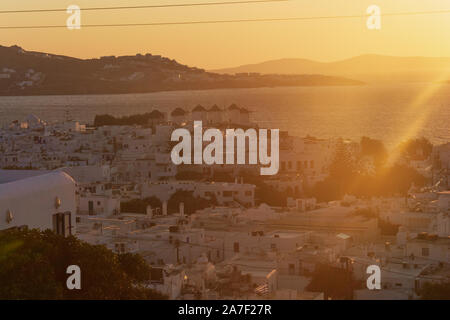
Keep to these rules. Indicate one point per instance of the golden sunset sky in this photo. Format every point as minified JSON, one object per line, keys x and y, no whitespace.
{"x":212,"y":46}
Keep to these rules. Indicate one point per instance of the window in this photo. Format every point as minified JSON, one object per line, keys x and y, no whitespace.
{"x":273,"y":246}
{"x":425,"y":252}
{"x":248,"y":193}
{"x":236,"y":247}
{"x":91,"y":207}
{"x":227,"y":193}
{"x":62,"y":224}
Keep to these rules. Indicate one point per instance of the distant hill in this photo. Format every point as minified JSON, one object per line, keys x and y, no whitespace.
{"x":35,"y":73}
{"x":368,"y":67}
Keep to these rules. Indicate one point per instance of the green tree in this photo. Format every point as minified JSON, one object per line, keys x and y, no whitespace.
{"x":376,"y":150}
{"x":347,"y":175}
{"x":135,"y":267}
{"x":344,"y":163}
{"x":191,"y":203}
{"x":33,"y":265}
{"x":398,"y":179}
{"x":140,"y":205}
{"x":435,"y":291}
{"x":416,"y":149}
{"x":335,"y":283}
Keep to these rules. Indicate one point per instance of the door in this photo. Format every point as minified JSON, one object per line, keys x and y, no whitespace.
{"x":91,"y":207}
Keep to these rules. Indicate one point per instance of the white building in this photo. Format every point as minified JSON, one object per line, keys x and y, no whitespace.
{"x":99,"y":205}
{"x":234,"y":114}
{"x":444,"y":201}
{"x":178,"y":116}
{"x":215,"y":115}
{"x":199,"y":114}
{"x":259,"y":242}
{"x":167,"y":280}
{"x":429,"y":247}
{"x":44,"y":202}
{"x":34,"y":122}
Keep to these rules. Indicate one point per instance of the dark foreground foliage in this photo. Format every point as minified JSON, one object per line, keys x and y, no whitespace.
{"x":33,"y":266}
{"x":435,"y":291}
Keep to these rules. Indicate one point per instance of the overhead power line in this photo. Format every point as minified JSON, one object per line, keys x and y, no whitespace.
{"x":227,"y":21}
{"x":173,"y":5}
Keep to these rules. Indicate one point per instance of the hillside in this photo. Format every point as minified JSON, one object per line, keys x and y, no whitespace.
{"x":35,"y":73}
{"x":365,"y":68}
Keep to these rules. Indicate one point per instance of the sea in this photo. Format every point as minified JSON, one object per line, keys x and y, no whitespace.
{"x":389,"y":112}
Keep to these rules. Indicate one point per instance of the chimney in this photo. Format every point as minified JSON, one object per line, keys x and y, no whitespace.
{"x":182,"y":209}
{"x":164,"y":208}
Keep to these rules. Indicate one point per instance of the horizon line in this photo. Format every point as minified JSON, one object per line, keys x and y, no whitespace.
{"x":235,"y":66}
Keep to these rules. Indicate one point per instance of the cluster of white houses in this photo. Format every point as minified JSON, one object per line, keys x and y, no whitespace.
{"x":72,"y":179}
